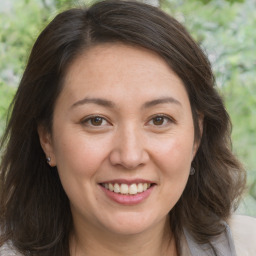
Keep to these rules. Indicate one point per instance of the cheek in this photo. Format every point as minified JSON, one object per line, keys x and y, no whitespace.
{"x":78,"y":154}
{"x":175,"y":152}
{"x":173,"y":159}
{"x":78,"y":160}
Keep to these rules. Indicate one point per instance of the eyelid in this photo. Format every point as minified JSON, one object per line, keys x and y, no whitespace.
{"x":85,"y":121}
{"x":168,"y":117}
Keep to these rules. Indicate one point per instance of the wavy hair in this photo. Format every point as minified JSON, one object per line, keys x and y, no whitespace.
{"x":34,"y":209}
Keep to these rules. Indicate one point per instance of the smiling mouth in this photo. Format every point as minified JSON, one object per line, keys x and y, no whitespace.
{"x":125,"y":189}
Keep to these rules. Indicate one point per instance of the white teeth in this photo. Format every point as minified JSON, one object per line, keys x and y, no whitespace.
{"x":110,"y":187}
{"x":140,"y":188}
{"x":133,"y":189}
{"x":126,"y":189}
{"x":116,"y":188}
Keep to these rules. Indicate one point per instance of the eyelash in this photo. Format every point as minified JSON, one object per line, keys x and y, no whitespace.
{"x":88,"y":121}
{"x":167,"y":119}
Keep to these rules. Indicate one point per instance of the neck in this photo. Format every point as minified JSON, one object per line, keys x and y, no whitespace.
{"x":93,"y":242}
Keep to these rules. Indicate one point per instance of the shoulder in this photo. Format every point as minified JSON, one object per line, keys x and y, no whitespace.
{"x":243,"y":230}
{"x":8,"y":250}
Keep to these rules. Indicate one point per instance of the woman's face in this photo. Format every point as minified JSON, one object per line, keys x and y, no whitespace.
{"x":122,"y":121}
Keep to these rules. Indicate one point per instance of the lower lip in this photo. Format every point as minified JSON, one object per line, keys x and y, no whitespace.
{"x":128,"y":199}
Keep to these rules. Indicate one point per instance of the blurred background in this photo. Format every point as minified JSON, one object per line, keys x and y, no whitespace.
{"x":225,"y":29}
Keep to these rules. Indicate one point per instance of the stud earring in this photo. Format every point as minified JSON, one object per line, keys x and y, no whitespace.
{"x":192,"y":171}
{"x":48,"y":159}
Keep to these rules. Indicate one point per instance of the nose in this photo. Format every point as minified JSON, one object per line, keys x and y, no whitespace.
{"x":129,"y":149}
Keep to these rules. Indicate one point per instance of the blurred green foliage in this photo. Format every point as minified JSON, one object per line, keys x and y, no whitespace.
{"x":6,"y":94}
{"x":224,"y":29}
{"x":19,"y":26}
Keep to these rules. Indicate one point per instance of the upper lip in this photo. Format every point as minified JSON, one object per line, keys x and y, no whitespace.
{"x":128,"y":182}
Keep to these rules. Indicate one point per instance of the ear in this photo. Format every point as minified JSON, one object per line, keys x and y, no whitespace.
{"x":46,"y":144}
{"x":201,"y":128}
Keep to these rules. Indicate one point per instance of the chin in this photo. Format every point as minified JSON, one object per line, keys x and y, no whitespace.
{"x":127,"y":230}
{"x":131,"y":224}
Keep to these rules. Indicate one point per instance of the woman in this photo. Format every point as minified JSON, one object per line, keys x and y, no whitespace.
{"x":119,"y":144}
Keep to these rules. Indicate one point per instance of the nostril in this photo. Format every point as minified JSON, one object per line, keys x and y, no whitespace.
{"x":129,"y":160}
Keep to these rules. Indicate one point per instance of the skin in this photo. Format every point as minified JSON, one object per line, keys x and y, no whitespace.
{"x":128,"y":142}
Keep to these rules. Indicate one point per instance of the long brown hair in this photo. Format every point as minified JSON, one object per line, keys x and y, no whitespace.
{"x":34,"y":209}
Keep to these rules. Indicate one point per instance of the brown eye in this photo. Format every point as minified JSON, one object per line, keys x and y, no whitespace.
{"x":158,"y":120}
{"x":96,"y":121}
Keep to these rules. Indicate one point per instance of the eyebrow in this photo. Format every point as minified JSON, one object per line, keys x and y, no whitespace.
{"x":164,"y":100}
{"x":98,"y":101}
{"x":110,"y":104}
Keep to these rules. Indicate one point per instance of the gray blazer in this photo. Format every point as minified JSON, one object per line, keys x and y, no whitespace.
{"x":224,"y":245}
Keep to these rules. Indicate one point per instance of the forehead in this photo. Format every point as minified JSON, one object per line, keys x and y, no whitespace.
{"x":115,"y":69}
{"x":123,"y":57}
